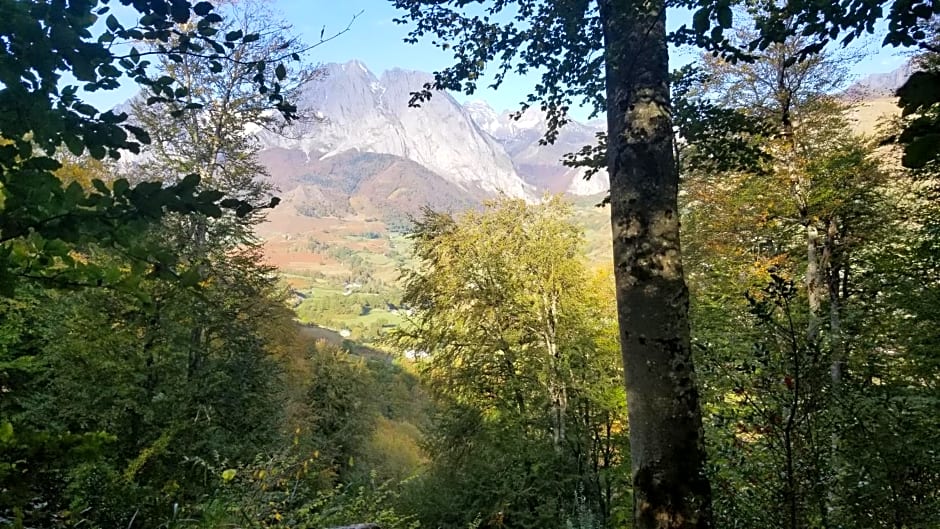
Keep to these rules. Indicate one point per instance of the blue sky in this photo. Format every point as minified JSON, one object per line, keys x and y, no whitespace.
{"x":377,"y":41}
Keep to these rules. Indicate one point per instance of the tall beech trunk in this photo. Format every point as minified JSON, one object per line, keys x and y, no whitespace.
{"x":557,"y":384}
{"x":835,"y":283}
{"x":814,"y":282}
{"x":670,"y":487}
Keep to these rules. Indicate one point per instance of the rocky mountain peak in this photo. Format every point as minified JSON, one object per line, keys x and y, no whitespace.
{"x":541,"y":165}
{"x":367,"y":113}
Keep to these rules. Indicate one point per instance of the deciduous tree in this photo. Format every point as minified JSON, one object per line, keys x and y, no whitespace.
{"x":611,"y":55}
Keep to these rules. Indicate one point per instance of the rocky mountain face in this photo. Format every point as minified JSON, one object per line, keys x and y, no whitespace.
{"x":369,"y":153}
{"x":362,"y":112}
{"x":880,"y":84}
{"x":353,"y":182}
{"x":541,"y":165}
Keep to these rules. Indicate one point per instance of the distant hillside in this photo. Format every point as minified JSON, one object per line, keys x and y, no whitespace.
{"x":879,"y":85}
{"x":354,"y":183}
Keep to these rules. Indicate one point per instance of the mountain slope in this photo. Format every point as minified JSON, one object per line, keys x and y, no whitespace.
{"x":541,"y":165}
{"x":880,"y":85}
{"x":355,"y":183}
{"x":366,"y":113}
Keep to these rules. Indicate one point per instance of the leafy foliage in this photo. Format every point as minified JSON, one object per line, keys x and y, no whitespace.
{"x":908,"y":25}
{"x":522,"y":357}
{"x":795,"y":340}
{"x":120,"y":400}
{"x":919,"y":99}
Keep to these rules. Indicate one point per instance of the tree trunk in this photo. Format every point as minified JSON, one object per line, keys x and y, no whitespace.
{"x":671,"y":489}
{"x":833,"y":260}
{"x":557,"y":383}
{"x":814,"y":282}
{"x":834,"y":266}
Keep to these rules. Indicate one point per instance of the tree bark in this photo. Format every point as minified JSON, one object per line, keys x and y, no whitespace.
{"x":834,"y":267}
{"x":814,"y":282}
{"x":671,"y":489}
{"x":833,"y":260}
{"x":557,"y":383}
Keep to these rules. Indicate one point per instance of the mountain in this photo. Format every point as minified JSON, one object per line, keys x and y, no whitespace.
{"x":880,"y":84}
{"x":369,"y":184}
{"x":541,"y":165}
{"x":350,"y":179}
{"x":367,"y":152}
{"x":369,"y":114}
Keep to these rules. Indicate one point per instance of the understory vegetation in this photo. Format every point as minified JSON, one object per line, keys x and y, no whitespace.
{"x":154,"y":375}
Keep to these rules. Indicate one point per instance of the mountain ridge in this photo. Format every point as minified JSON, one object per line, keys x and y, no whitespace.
{"x":541,"y":165}
{"x":441,"y":154}
{"x":879,"y":85}
{"x":440,"y":141}
{"x":370,"y":113}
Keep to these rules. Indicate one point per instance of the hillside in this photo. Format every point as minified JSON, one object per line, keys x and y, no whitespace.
{"x":352,"y":179}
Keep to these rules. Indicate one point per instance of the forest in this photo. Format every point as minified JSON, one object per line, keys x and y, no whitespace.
{"x":763,"y":351}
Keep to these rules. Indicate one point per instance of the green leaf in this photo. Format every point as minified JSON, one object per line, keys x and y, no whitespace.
{"x":120,"y":187}
{"x":85,"y":109}
{"x":180,"y":12}
{"x":6,"y":432}
{"x":700,"y":20}
{"x":190,"y":278}
{"x":100,"y":186}
{"x":43,"y":163}
{"x":921,"y":151}
{"x":211,"y":195}
{"x":190,"y":181}
{"x":112,"y":23}
{"x":202,"y":8}
{"x":210,"y":210}
{"x":280,"y":72}
{"x":74,"y":193}
{"x":921,"y":90}
{"x":234,"y":35}
{"x":140,"y":134}
{"x":74,"y":144}
{"x":243,"y":210}
{"x":725,"y":17}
